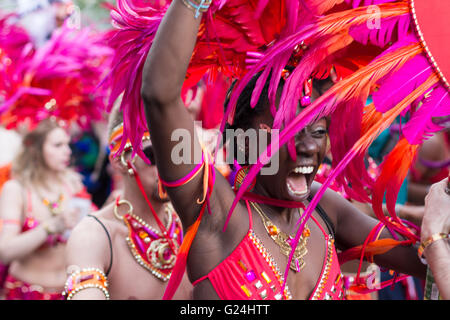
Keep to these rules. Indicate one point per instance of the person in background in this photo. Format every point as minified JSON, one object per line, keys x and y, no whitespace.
{"x":431,"y":166}
{"x":123,"y":244}
{"x":39,"y":206}
{"x":10,"y":142}
{"x":434,"y":236}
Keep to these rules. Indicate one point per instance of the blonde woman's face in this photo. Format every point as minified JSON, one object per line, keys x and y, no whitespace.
{"x":56,"y":150}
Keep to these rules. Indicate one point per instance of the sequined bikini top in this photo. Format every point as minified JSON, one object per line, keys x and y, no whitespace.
{"x":250,"y":273}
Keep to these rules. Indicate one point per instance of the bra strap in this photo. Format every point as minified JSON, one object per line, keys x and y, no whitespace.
{"x":110,"y":243}
{"x":196,"y":282}
{"x":29,"y":203}
{"x":325,"y":218}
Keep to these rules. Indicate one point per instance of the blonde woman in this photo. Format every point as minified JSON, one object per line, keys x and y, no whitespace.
{"x":38,"y":208}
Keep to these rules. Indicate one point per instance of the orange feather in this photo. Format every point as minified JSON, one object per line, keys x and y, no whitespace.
{"x":335,"y":22}
{"x":370,"y":117}
{"x":373,"y":248}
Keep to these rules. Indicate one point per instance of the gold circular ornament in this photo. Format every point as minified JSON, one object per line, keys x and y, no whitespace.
{"x":156,"y":254}
{"x":118,"y":204}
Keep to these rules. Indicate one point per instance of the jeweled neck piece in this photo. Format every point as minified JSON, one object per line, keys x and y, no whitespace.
{"x":151,"y":248}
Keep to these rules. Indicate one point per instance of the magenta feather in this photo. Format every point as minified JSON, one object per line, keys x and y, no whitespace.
{"x":397,"y":85}
{"x":136,"y":25}
{"x":421,"y":125}
{"x":383,"y":34}
{"x":13,"y":38}
{"x":322,"y":106}
{"x":358,"y":3}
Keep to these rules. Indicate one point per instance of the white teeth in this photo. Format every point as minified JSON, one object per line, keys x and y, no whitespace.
{"x":304,"y":170}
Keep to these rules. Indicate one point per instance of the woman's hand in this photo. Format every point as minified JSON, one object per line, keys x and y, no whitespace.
{"x":54,"y":225}
{"x":437,"y":211}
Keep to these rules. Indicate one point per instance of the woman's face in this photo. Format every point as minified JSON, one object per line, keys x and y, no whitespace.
{"x":56,"y":150}
{"x":294,"y":177}
{"x":148,"y":174}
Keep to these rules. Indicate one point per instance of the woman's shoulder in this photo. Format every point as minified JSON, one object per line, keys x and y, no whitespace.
{"x":13,"y":186}
{"x":104,"y":214}
{"x":12,"y":200}
{"x":331,"y":202}
{"x":88,"y":243}
{"x":329,"y":196}
{"x":93,"y":227}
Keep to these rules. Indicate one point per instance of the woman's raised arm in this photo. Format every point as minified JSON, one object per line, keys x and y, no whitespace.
{"x":168,"y":119}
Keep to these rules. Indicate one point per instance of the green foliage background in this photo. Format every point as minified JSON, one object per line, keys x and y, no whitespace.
{"x":93,"y":13}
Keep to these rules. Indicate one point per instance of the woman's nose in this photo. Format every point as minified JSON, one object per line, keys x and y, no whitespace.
{"x":68,"y":150}
{"x":306,"y":145}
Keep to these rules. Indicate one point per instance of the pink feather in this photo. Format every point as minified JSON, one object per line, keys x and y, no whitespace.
{"x":136,"y":25}
{"x":421,"y":125}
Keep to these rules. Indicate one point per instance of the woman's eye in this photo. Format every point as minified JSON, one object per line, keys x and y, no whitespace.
{"x":319,"y":132}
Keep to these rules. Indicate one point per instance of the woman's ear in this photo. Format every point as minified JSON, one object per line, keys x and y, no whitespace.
{"x":117,"y":165}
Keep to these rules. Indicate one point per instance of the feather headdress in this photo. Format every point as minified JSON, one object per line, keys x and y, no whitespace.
{"x":404,"y":79}
{"x":231,"y":37}
{"x":57,"y":80}
{"x":13,"y":38}
{"x":403,"y":69}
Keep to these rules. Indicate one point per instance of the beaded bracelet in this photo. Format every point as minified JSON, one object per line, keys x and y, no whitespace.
{"x":433,"y":238}
{"x":84,"y":279}
{"x":198,"y":7}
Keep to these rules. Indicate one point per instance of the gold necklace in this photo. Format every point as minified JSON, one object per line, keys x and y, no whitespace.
{"x":283,"y":240}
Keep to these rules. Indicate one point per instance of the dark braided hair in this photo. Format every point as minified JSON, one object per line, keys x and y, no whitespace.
{"x":244,"y":113}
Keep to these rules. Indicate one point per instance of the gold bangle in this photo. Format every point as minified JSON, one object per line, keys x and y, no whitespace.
{"x":433,"y":238}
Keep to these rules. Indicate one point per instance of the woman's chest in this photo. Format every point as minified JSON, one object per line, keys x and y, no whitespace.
{"x":135,"y":274}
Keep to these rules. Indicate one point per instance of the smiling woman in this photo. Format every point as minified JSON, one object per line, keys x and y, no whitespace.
{"x":246,"y":249}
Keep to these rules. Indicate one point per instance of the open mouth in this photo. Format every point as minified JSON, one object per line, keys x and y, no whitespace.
{"x":297,"y":180}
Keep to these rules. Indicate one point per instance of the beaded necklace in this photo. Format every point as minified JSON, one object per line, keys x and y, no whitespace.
{"x":283,"y":240}
{"x":154,"y":250}
{"x":54,"y":207}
